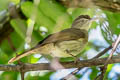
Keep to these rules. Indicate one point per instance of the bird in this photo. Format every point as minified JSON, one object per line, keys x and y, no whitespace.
{"x":66,"y":43}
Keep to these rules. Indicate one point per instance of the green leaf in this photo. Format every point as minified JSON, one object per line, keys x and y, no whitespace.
{"x":3,"y":57}
{"x":9,"y":76}
{"x":36,"y":76}
{"x":109,"y":67}
{"x":30,"y":10}
{"x":19,"y":26}
{"x":78,"y":75}
{"x":15,"y":1}
{"x":3,"y":4}
{"x":94,"y":25}
{"x":56,"y":12}
{"x":114,"y":21}
{"x":17,"y":41}
{"x":52,"y":9}
{"x":82,"y":11}
{"x":5,"y":47}
{"x":93,"y":74}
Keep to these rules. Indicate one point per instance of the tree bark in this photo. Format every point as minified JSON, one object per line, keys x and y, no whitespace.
{"x":110,"y":5}
{"x":46,"y":66}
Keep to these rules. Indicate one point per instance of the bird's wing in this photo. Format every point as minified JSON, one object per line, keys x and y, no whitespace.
{"x":65,"y":35}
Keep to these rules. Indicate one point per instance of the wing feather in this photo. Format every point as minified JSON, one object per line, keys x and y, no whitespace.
{"x":65,"y":35}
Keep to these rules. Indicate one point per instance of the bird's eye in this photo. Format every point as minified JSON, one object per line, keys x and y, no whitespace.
{"x":82,"y":20}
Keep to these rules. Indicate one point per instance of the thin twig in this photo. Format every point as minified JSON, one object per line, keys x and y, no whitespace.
{"x":11,"y":43}
{"x":22,"y":72}
{"x":78,"y":69}
{"x":109,"y":58}
{"x":99,"y":77}
{"x":72,"y":64}
{"x":113,"y":50}
{"x":103,"y":52}
{"x":22,"y":75}
{"x":71,"y":74}
{"x":19,"y":62}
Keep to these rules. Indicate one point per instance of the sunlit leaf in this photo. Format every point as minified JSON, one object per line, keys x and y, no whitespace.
{"x":29,"y":9}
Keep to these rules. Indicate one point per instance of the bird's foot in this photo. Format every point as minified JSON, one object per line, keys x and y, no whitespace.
{"x":76,"y":60}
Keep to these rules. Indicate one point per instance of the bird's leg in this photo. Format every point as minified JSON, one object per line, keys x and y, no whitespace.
{"x":70,"y":53}
{"x":76,"y":59}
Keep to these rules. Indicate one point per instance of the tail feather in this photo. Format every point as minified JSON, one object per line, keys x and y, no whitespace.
{"x":21,"y":56}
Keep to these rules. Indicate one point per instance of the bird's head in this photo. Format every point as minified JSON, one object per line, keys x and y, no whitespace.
{"x":83,"y":22}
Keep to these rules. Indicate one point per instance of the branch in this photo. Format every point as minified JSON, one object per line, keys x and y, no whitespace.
{"x":46,"y":66}
{"x":104,"y":68}
{"x":110,"y":5}
{"x":78,"y":69}
{"x":103,"y":52}
{"x":7,"y":29}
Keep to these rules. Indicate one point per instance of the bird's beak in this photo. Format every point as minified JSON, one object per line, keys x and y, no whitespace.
{"x":94,"y":19}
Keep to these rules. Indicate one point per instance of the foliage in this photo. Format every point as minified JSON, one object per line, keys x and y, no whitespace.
{"x":53,"y":17}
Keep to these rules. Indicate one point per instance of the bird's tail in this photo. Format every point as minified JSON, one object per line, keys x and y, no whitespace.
{"x":29,"y":52}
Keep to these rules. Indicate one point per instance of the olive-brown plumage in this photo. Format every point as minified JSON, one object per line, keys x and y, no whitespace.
{"x":66,"y":43}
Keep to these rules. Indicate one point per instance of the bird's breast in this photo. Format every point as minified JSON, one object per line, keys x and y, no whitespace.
{"x":69,"y":48}
{"x":64,"y":48}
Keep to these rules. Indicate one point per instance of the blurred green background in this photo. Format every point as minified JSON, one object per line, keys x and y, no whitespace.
{"x":50,"y":16}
